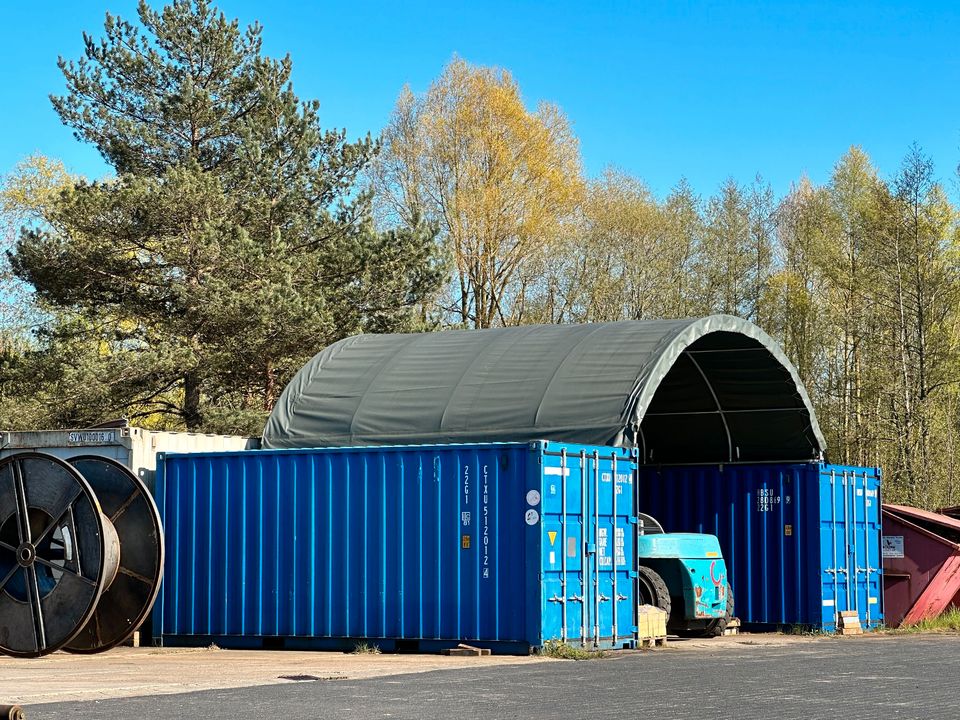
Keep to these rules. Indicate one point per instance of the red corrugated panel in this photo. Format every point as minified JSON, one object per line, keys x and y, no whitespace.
{"x":921,"y":568}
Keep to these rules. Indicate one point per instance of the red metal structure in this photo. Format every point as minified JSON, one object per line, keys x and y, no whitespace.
{"x":921,"y":564}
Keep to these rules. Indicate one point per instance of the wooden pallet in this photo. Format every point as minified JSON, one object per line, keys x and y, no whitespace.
{"x":733,"y":627}
{"x":651,"y":642}
{"x":651,"y":626}
{"x":849,"y":623}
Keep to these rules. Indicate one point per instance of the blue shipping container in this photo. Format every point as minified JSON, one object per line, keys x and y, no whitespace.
{"x":801,"y":541}
{"x":418,"y":547}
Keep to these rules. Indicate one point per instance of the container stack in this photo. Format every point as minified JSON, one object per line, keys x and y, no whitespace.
{"x":485,"y":488}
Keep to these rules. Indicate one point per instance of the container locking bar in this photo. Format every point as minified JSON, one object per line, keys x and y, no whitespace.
{"x":563,"y":545}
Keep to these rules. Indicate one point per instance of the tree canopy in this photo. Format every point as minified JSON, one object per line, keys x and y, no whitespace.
{"x":234,"y":239}
{"x":236,"y":236}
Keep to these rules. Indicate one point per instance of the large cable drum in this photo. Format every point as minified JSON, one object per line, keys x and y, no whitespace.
{"x":125,"y":604}
{"x":64,"y":580}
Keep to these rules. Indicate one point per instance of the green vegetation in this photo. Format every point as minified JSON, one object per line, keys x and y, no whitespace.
{"x":949,"y":621}
{"x":233,"y":242}
{"x":563,"y":651}
{"x":363,"y":648}
{"x":237,"y":237}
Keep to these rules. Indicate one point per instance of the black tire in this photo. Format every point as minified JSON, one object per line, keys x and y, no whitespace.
{"x":719,"y":626}
{"x":652,"y":590}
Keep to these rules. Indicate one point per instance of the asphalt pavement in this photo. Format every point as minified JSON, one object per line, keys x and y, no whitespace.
{"x":916,"y":676}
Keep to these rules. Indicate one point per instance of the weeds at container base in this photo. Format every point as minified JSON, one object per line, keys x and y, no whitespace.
{"x":563,"y":651}
{"x":948,"y":621}
{"x":363,"y":648}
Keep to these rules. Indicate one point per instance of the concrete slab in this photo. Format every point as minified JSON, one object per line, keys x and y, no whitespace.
{"x":130,"y":672}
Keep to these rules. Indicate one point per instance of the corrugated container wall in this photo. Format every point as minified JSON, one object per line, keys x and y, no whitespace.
{"x":134,"y":447}
{"x":801,"y":541}
{"x":409,"y":547}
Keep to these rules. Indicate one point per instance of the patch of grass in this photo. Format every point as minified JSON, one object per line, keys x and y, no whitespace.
{"x":948,"y":621}
{"x":362,"y":648}
{"x":563,"y":651}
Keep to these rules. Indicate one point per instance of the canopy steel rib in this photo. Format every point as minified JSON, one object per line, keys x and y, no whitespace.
{"x":713,"y":394}
{"x":716,"y":412}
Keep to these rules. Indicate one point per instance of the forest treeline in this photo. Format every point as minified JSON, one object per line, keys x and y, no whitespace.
{"x":236,"y":237}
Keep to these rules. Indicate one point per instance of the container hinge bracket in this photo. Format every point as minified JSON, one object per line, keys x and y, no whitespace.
{"x":576,"y":598}
{"x":621,"y":597}
{"x":556,"y":599}
{"x":603,"y":598}
{"x":634,"y":520}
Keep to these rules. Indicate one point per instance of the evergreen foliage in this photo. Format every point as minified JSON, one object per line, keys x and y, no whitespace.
{"x":234,"y":241}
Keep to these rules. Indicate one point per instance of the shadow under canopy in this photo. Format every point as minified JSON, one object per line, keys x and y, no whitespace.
{"x":707,"y":390}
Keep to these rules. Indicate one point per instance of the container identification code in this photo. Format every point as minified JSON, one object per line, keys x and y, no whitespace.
{"x":89,"y":437}
{"x":483,"y":519}
{"x":767,"y":500}
{"x":603,"y":551}
{"x":485,"y":573}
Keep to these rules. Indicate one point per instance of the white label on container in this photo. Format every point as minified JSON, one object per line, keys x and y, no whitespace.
{"x":893,"y":546}
{"x":533,"y":497}
{"x":553,"y":558}
{"x":828,"y":603}
{"x":556,"y":471}
{"x":532,"y":517}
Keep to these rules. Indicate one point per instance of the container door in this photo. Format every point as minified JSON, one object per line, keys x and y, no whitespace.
{"x":588,"y":531}
{"x":850,"y":524}
{"x":870,"y":538}
{"x":835,"y":546}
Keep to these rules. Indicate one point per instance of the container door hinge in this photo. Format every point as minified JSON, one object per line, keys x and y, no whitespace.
{"x":603,"y":598}
{"x":621,"y":598}
{"x":633,"y":520}
{"x":556,"y":599}
{"x":576,"y":598}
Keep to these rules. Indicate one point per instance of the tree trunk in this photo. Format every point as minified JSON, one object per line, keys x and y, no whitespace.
{"x":191,"y":400}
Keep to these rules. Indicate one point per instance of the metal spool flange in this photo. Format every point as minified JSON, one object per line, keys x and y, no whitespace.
{"x":127,"y":601}
{"x":57,"y":554}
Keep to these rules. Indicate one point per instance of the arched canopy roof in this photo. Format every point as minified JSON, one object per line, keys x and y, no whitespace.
{"x":715,"y":389}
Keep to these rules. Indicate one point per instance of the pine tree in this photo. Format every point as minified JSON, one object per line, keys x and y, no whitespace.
{"x":233,"y":241}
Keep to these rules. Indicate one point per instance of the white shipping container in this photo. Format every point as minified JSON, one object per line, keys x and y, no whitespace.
{"x":134,"y":447}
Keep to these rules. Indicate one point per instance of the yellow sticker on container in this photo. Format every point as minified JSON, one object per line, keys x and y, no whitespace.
{"x":712,"y":553}
{"x":788,"y":529}
{"x":552,"y":534}
{"x":465,"y":542}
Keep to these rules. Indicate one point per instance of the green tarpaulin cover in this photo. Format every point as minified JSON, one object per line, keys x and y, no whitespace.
{"x":714,"y":389}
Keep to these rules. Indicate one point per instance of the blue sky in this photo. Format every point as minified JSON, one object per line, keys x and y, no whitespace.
{"x":660,"y":89}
